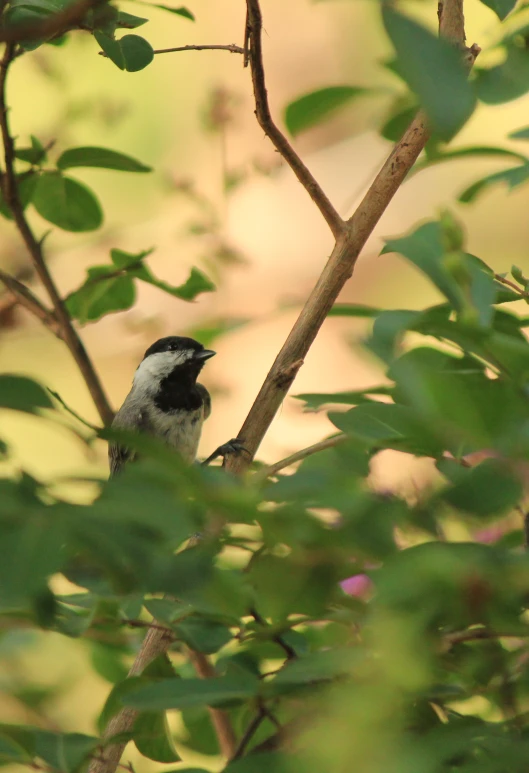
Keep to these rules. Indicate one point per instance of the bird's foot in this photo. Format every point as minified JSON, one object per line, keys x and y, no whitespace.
{"x":233,"y":446}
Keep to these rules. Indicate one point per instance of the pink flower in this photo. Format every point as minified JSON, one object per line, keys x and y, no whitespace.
{"x":358,"y":585}
{"x":491,"y":534}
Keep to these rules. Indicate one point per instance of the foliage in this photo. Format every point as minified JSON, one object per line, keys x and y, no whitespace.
{"x":423,"y":669}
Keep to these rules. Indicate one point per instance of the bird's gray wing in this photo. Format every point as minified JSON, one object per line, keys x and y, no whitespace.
{"x":206,"y":404}
{"x":128,"y":417}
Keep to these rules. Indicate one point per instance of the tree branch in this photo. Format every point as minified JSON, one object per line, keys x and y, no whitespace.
{"x":349,"y":241}
{"x":23,"y":296}
{"x":53,"y":26}
{"x":253,"y":33}
{"x":157,"y":641}
{"x":220,"y":719}
{"x":266,"y":472}
{"x":12,"y":199}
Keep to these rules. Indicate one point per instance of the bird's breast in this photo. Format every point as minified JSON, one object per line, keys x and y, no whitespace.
{"x":181,"y":430}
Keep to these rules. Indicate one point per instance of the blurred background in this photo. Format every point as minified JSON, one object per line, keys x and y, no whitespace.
{"x":220,"y":198}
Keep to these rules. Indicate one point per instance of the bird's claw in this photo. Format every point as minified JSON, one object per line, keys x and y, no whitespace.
{"x":233,"y":446}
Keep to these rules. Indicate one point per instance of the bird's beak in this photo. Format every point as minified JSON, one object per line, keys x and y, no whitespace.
{"x":205,"y":354}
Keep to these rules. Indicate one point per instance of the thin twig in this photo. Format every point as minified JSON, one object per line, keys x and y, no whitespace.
{"x":289,"y":651}
{"x":348,"y":245}
{"x":272,"y":469}
{"x":479,"y":634}
{"x":253,"y":32}
{"x":232,"y":48}
{"x":12,"y":199}
{"x":507,"y":282}
{"x":23,"y":296}
{"x":249,"y":733}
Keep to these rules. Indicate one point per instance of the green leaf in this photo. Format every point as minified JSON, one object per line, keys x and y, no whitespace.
{"x":64,"y":751}
{"x":311,"y":109}
{"x":353,"y":310}
{"x":263,"y":762}
{"x":397,"y":124}
{"x":501,"y":8}
{"x":314,"y":667}
{"x":196,"y":283}
{"x":203,"y":635}
{"x":100,"y":296}
{"x":511,"y":177}
{"x":488,"y":489}
{"x":11,"y":751}
{"x":137,"y":52}
{"x":433,"y":70}
{"x":36,"y":154}
{"x":385,"y":425}
{"x":520,"y":134}
{"x":108,"y":662}
{"x":100,"y":157}
{"x":26,"y":183}
{"x":479,"y":151}
{"x":459,"y":276}
{"x":112,"y":48}
{"x":185,"y":693}
{"x":181,"y":11}
{"x":66,"y":203}
{"x":506,"y":81}
{"x":129,"y":21}
{"x":313,"y":401}
{"x":152,"y":737}
{"x":22,"y":394}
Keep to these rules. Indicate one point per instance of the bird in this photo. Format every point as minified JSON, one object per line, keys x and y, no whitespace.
{"x":167,"y":402}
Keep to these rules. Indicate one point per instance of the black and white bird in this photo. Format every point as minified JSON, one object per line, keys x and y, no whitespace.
{"x":167,"y":402}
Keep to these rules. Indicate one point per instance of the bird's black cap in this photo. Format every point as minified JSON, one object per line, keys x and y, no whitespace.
{"x":179,"y":343}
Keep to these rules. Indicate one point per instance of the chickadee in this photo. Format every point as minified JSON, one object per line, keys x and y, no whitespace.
{"x":166,"y":401}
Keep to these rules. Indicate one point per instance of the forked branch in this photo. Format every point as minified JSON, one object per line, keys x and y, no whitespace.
{"x":349,"y":242}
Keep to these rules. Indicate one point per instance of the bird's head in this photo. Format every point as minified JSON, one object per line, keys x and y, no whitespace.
{"x":174,"y":356}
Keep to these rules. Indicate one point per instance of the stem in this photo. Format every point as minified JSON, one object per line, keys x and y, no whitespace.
{"x":253,"y":34}
{"x":249,"y":733}
{"x":349,"y":242}
{"x":230,"y":47}
{"x":266,"y":472}
{"x":12,"y":199}
{"x":23,"y":296}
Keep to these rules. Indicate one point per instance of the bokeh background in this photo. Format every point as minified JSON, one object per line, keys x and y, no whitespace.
{"x":190,"y":116}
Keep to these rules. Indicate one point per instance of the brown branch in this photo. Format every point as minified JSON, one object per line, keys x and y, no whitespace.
{"x":478,"y":634}
{"x":220,"y":719}
{"x":12,"y":199}
{"x":53,"y":26}
{"x":349,"y":242}
{"x":156,"y":643}
{"x":272,"y":469}
{"x":24,"y":297}
{"x":253,"y":31}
